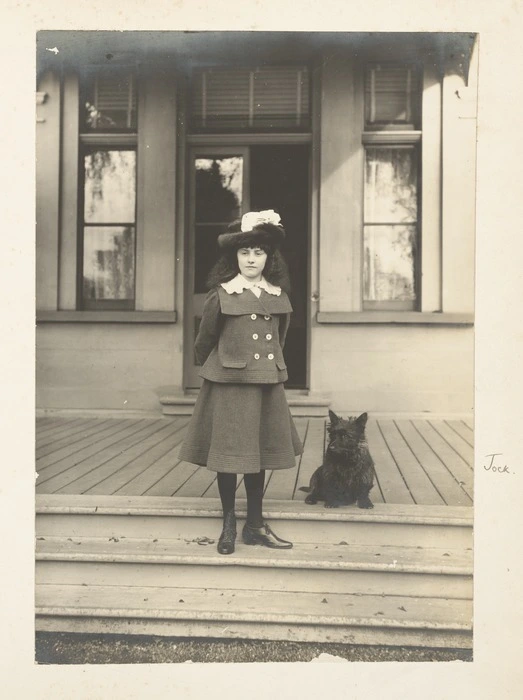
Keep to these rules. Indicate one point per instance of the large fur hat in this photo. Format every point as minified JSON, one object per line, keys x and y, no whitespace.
{"x":254,"y":228}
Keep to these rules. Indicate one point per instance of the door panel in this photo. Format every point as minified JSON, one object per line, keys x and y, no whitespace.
{"x":279,"y":180}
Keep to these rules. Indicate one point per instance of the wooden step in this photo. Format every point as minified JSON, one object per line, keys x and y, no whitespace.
{"x":178,"y":517}
{"x":337,"y":568}
{"x":255,"y":614}
{"x":312,"y":406}
{"x":92,"y":550}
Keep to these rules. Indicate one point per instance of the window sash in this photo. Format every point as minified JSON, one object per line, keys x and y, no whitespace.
{"x":114,"y":260}
{"x":391,"y":267}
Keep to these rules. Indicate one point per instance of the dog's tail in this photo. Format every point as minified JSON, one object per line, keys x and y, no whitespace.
{"x":307,"y":489}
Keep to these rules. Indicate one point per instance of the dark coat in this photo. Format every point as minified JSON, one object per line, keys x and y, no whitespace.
{"x":241,"y":337}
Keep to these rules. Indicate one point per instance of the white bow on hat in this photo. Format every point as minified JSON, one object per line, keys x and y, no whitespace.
{"x":255,"y":218}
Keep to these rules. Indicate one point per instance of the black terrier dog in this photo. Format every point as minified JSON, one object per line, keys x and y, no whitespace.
{"x":347,"y":472}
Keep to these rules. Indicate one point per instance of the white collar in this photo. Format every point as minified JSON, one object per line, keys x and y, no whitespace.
{"x":239,"y":283}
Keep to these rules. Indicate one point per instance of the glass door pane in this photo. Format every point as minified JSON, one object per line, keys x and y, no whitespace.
{"x":219,"y":195}
{"x":218,"y":199}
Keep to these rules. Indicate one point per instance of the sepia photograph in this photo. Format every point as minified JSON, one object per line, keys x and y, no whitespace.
{"x":255,"y":346}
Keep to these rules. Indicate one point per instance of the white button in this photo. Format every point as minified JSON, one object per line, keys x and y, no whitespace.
{"x":270,"y":356}
{"x":268,"y":336}
{"x":256,"y":356}
{"x":253,"y":316}
{"x":267,"y":318}
{"x":255,"y":336}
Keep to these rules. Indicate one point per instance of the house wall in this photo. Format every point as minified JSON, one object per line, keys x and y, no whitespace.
{"x":129,"y":363}
{"x":394,"y":368}
{"x":386,"y":366}
{"x":107,"y":366}
{"x":426,"y":364}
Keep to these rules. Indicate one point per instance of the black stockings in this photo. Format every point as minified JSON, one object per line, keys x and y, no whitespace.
{"x":254,"y":484}
{"x":227,"y":489}
{"x":254,"y":489}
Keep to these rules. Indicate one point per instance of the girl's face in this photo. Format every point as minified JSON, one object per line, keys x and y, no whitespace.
{"x":251,"y":262}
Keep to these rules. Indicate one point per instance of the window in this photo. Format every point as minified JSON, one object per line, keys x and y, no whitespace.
{"x":107,"y":245}
{"x":391,"y":188}
{"x":392,"y":96}
{"x":109,"y":227}
{"x":260,"y":99}
{"x":109,"y":101}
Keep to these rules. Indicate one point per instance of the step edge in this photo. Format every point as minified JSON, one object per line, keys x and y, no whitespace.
{"x":245,"y":616}
{"x":268,"y":514}
{"x":292,"y":400}
{"x":62,"y":505}
{"x":302,"y":565}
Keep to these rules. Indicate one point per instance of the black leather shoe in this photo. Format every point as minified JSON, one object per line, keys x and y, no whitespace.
{"x":265,"y":536}
{"x":228,"y":536}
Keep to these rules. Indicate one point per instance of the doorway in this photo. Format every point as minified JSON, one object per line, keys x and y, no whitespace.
{"x":224,"y":183}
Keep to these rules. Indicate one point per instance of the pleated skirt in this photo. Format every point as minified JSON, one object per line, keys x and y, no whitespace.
{"x":241,"y":429}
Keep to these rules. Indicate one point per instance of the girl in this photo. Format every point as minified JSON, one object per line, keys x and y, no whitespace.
{"x":241,"y":422}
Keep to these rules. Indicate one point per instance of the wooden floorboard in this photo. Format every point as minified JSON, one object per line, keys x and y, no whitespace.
{"x":41,"y":422}
{"x":71,"y":436}
{"x":465,"y":433}
{"x":89,"y":482}
{"x":146,"y":479}
{"x":173,"y":480}
{"x":445,"y":483}
{"x":420,"y":487}
{"x":75,"y":448}
{"x":139,"y":458}
{"x":70,"y":468}
{"x":390,"y":480}
{"x":212,"y":490}
{"x":419,"y":461}
{"x":197,"y":484}
{"x":460,"y":470}
{"x":312,"y":456}
{"x":281,"y":482}
{"x":455,"y":441}
{"x":53,"y":424}
{"x":57,"y":431}
{"x":469,"y":423}
{"x":72,"y":471}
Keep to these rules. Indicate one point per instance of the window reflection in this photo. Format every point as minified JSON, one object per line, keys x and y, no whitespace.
{"x":389,"y":263}
{"x":218,"y":188}
{"x":108,"y":262}
{"x":390,"y":185}
{"x":110,"y":186}
{"x":218,"y":201}
{"x":109,"y":228}
{"x":390,"y":230}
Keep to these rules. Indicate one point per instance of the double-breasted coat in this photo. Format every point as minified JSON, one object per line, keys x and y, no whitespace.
{"x":241,"y":421}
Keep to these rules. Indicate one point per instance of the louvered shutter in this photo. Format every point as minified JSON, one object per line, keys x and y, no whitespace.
{"x":112,"y":99}
{"x":270,"y":98}
{"x":391,"y":95}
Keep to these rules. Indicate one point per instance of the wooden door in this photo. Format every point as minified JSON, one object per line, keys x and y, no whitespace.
{"x":224,"y":184}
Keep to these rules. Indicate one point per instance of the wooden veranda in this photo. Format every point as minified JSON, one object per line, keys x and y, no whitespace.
{"x":423,"y":461}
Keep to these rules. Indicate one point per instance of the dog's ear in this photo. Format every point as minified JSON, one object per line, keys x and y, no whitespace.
{"x":333,"y":417}
{"x":362,"y":420}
